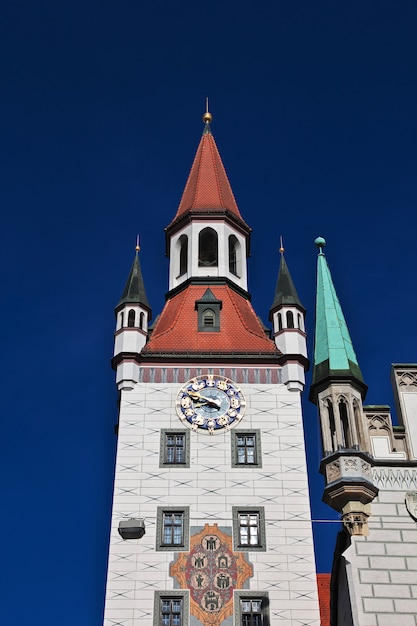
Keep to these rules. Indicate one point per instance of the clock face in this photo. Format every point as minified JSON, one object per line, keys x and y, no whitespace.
{"x":210,"y":403}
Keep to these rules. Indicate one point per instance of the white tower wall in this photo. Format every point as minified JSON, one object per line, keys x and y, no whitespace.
{"x":209,"y":488}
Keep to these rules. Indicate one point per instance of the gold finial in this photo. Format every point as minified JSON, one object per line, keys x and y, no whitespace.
{"x":137,"y":247}
{"x":281,"y":246}
{"x":207,"y":117}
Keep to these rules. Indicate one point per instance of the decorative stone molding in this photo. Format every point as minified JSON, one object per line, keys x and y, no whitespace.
{"x":355,"y":518}
{"x":406,"y":378}
{"x":333,"y":471}
{"x":348,"y":480}
{"x":395,"y":478}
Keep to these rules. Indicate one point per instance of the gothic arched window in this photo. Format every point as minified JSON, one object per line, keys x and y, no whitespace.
{"x":131,"y":318}
{"x":344,"y":419}
{"x":183,"y":241}
{"x":234,"y":260}
{"x":279,"y":321}
{"x":141,"y":320}
{"x":207,"y":248}
{"x":332,"y":425}
{"x":290,"y":319}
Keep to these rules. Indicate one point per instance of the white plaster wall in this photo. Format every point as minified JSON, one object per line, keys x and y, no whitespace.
{"x":210,"y":488}
{"x":382,"y":568}
{"x":291,"y":341}
{"x":222,"y":270}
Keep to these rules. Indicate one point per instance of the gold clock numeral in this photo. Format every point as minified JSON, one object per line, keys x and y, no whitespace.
{"x":222,"y":385}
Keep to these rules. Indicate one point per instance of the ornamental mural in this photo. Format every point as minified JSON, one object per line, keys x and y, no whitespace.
{"x":211,"y":571}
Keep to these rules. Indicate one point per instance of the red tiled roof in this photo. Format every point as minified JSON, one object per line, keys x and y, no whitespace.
{"x":208,"y":188}
{"x":323,"y":585}
{"x":176,"y":330}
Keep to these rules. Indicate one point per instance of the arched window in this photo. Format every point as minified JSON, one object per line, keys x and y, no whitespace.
{"x":121,"y":318}
{"x":141,"y":320}
{"x":300,"y":326}
{"x":209,"y":318}
{"x":332,"y":425}
{"x":290,"y":319}
{"x":358,"y":424}
{"x":131,"y":318}
{"x":207,"y":248}
{"x":234,"y":255}
{"x":183,"y":241}
{"x":279,"y":321}
{"x":345,"y":424}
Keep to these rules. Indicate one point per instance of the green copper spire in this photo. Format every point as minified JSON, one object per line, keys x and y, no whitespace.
{"x":134,"y":291}
{"x":334,"y":356}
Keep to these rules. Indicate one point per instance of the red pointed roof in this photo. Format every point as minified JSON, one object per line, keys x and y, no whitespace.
{"x":208,"y":188}
{"x":241,"y":332}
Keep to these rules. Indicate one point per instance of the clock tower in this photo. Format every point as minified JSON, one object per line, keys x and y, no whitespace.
{"x":211,"y":519}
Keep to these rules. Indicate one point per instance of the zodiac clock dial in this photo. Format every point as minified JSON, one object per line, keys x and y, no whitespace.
{"x":210,"y":403}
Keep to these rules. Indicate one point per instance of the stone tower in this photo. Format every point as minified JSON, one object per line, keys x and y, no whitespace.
{"x":370,"y":471}
{"x":211,"y":515}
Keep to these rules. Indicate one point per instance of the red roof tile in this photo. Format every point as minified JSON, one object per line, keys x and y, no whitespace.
{"x":177,"y":331}
{"x":208,"y":188}
{"x":323,"y":585}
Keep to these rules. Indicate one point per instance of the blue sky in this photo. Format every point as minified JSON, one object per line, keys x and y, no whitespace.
{"x":315,"y":116}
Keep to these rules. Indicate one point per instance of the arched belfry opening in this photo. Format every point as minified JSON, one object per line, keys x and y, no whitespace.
{"x":183,"y":259}
{"x":234,"y":256}
{"x":131,"y":319}
{"x":290,"y":319}
{"x":207,"y":248}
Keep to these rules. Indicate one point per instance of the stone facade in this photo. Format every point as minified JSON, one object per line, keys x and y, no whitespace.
{"x":375,"y":577}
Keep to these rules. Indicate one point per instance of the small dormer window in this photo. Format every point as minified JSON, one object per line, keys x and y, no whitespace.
{"x":209,"y":317}
{"x":208,"y":310}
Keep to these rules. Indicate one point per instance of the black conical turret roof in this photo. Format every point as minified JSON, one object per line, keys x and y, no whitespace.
{"x":134,"y":291}
{"x":285,"y":292}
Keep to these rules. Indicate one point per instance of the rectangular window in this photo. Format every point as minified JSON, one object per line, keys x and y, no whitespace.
{"x":246,"y":448}
{"x":172,"y":529}
{"x":251,"y":612}
{"x":249,"y":529}
{"x":171,"y":611}
{"x":171,"y":608}
{"x":251,"y":608}
{"x":174,"y":448}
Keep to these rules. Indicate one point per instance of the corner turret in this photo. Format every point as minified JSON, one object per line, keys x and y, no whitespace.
{"x":132,"y":319}
{"x":287,"y":315}
{"x":338,"y":390}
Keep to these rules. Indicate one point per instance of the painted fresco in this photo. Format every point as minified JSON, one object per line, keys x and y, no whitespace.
{"x":211,"y":571}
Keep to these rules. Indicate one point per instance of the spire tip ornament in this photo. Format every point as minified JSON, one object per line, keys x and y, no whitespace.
{"x":137,"y":247}
{"x":281,"y":245}
{"x":207,"y":117}
{"x":320,"y":242}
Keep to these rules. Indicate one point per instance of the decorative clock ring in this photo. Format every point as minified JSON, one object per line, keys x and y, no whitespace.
{"x":210,"y":403}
